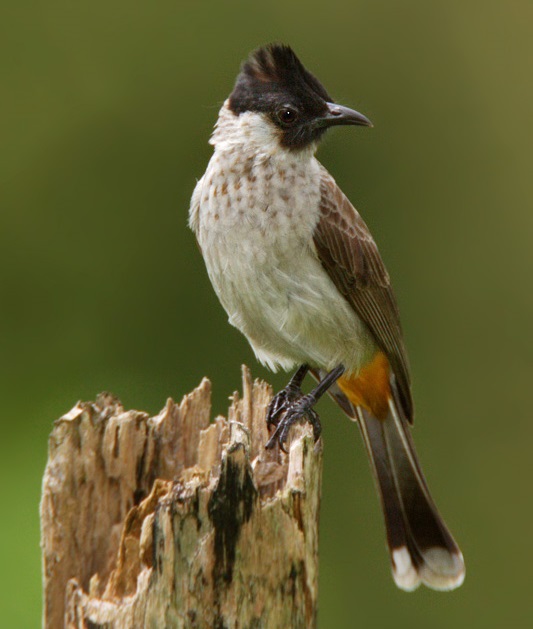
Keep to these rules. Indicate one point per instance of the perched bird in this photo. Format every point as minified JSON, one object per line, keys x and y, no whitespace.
{"x":299,"y":274}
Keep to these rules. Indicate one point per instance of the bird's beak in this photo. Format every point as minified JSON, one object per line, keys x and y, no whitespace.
{"x":337,"y":114}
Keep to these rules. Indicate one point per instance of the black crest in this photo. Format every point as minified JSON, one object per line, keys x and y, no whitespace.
{"x":273,"y":81}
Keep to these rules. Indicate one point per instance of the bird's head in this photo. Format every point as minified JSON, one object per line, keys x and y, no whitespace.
{"x":274,"y":86}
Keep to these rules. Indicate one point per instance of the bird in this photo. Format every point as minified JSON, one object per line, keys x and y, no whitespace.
{"x":297,"y":271}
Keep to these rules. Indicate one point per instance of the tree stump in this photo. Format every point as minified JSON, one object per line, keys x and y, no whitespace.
{"x":174,"y":521}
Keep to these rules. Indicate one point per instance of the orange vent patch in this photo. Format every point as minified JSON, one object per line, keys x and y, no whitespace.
{"x":371,"y":387}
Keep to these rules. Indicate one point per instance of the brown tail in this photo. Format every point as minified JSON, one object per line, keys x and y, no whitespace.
{"x":421,"y":547}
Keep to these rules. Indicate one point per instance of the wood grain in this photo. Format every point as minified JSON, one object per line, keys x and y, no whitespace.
{"x":177,"y":521}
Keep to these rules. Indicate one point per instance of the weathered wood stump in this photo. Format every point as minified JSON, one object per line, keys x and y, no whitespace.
{"x":173,"y":521}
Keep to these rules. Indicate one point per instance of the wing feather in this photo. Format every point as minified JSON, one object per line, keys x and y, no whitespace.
{"x":351,"y":258}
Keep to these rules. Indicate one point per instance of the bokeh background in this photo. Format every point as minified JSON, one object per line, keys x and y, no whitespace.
{"x":105,"y":112}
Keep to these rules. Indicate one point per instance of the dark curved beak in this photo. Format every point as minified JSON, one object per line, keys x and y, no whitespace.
{"x":337,"y":114}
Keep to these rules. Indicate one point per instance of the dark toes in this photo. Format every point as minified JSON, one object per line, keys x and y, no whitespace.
{"x":280,"y":403}
{"x":314,"y":420}
{"x":298,"y":410}
{"x":272,"y":441}
{"x":275,"y":408}
{"x":284,"y":435}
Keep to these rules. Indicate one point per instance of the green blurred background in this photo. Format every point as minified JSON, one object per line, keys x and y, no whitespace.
{"x":105,"y":113}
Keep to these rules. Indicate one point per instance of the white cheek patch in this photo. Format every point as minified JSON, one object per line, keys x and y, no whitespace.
{"x":256,"y":135}
{"x":250,"y":130}
{"x":260,"y":132}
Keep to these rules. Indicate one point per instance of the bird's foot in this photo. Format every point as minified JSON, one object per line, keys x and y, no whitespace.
{"x":281,"y":403}
{"x":283,"y":400}
{"x":298,"y":408}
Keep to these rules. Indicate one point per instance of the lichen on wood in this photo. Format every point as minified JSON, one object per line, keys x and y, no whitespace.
{"x":177,"y":521}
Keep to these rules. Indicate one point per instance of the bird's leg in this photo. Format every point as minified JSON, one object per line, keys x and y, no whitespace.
{"x":282,"y":400}
{"x":303,"y":407}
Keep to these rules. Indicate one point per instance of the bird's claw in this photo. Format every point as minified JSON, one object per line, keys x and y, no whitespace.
{"x":281,"y":403}
{"x":298,"y":409}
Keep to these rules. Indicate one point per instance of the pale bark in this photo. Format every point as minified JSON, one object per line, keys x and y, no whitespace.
{"x":173,"y":521}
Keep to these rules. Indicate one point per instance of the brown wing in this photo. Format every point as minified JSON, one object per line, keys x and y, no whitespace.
{"x":351,"y":258}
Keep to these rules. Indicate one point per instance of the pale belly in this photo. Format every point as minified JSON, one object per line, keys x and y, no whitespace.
{"x":257,"y":243}
{"x":290,"y":313}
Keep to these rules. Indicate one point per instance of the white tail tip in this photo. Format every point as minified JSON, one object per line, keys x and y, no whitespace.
{"x":440,"y":569}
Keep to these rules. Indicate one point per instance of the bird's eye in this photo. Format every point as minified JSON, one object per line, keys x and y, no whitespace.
{"x":287,"y":115}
